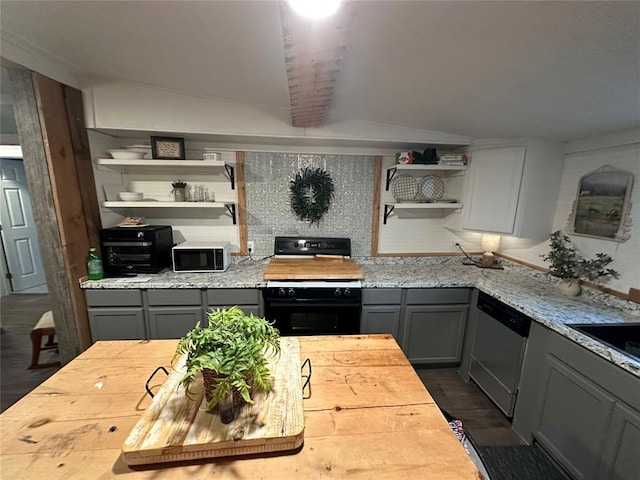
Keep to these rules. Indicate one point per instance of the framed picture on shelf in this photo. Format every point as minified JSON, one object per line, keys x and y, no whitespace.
{"x":167,"y":148}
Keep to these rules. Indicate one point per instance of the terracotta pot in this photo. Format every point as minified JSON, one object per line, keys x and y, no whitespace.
{"x":570,"y":287}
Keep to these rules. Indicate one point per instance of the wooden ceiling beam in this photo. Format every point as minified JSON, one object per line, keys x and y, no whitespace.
{"x":313,"y":53}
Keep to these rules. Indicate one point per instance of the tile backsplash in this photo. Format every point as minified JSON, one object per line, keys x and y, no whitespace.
{"x":269,"y":214}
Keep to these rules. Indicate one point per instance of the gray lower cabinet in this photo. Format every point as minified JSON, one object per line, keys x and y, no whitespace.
{"x":434,"y":333}
{"x":584,"y":410}
{"x":117,"y":323}
{"x":172,"y":322}
{"x":381,"y":311}
{"x":433,"y":325}
{"x":116,"y":314}
{"x":573,"y":418}
{"x":620,"y":457}
{"x":247,"y":299}
{"x":173,"y":312}
{"x":134,"y":314}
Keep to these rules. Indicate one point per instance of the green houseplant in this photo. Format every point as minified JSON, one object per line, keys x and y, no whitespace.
{"x":570,"y":266}
{"x":231,"y":353}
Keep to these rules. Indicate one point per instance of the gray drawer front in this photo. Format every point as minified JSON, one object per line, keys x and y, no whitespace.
{"x":174,"y":297}
{"x":382,"y":296}
{"x":430,"y":296}
{"x":233,"y":296}
{"x":114,"y":298}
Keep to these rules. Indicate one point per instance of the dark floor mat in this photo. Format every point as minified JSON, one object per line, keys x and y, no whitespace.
{"x":525,"y":462}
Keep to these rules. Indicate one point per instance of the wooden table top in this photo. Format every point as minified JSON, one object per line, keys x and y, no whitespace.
{"x":369,"y":416}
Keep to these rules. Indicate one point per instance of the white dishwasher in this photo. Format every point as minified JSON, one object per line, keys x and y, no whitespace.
{"x":498,"y":351}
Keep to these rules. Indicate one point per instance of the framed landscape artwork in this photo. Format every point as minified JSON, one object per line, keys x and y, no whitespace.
{"x":602,"y":208}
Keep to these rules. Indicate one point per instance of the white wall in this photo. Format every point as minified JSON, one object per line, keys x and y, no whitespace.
{"x":620,"y":150}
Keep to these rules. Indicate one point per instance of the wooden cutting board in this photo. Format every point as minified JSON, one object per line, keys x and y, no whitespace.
{"x":176,"y":428}
{"x":312,"y":269}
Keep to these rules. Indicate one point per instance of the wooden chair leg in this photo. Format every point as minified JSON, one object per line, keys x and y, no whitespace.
{"x":36,"y":342}
{"x":50,"y":341}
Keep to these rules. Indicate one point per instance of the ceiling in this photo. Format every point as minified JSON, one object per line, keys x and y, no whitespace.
{"x":551,"y":70}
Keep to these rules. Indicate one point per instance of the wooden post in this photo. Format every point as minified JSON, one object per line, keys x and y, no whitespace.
{"x":375,"y":226}
{"x":242,"y":203}
{"x":62,"y":189}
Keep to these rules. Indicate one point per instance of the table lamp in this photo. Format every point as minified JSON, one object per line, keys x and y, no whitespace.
{"x":490,"y":244}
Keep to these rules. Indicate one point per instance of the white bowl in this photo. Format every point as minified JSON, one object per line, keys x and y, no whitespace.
{"x":127,"y":154}
{"x":131,"y":196}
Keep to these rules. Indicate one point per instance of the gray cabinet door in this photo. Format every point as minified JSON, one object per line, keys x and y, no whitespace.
{"x":573,"y":418}
{"x":117,"y":324}
{"x":620,"y":458}
{"x":434,"y":333}
{"x":381,"y":319}
{"x":172,"y":322}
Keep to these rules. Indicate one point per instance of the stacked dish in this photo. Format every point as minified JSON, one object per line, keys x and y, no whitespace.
{"x":406,"y":188}
{"x":126,"y":154}
{"x":131,"y":196}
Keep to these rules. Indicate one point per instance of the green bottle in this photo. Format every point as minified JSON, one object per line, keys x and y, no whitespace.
{"x":94,"y":265}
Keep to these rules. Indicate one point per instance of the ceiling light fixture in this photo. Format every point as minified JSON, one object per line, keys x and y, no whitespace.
{"x":315,"y":8}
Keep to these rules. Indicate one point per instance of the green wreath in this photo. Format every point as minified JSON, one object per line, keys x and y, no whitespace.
{"x":310,"y":194}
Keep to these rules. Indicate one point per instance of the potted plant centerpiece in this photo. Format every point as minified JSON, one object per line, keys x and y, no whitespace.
{"x":231,"y":353}
{"x":570,"y":266}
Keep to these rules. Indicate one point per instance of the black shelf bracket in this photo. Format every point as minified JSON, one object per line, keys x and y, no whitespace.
{"x":391,"y":172}
{"x":387,"y":211}
{"x":231,"y":208}
{"x":231,"y":171}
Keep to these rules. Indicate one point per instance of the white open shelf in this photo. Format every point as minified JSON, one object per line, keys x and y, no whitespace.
{"x":427,"y":167}
{"x":117,"y":162}
{"x":153,"y":204}
{"x":390,"y":206}
{"x":425,"y":205}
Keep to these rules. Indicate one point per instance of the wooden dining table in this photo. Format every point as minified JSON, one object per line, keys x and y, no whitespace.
{"x":368,"y":416}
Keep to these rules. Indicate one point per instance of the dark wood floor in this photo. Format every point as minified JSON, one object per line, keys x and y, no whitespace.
{"x":481,"y":419}
{"x":20,"y":312}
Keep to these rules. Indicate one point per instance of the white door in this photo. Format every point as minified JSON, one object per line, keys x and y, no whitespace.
{"x":19,"y":234}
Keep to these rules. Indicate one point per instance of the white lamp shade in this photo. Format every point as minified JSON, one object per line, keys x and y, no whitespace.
{"x":490,"y":243}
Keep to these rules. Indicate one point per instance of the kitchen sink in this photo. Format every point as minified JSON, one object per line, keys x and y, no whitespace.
{"x":624,"y":337}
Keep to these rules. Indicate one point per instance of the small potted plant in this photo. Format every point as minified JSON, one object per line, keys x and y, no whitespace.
{"x":231,"y":354}
{"x":179,"y":190}
{"x":570,"y":266}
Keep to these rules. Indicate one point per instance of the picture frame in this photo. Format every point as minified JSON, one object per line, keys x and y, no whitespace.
{"x":167,"y":148}
{"x":602,"y":208}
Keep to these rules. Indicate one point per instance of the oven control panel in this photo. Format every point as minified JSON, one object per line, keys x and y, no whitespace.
{"x":300,"y":291}
{"x":312,"y":246}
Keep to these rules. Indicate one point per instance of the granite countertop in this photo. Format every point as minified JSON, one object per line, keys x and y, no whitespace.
{"x":527,"y":290}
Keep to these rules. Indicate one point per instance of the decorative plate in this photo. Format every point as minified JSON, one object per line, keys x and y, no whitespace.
{"x":431,"y":187}
{"x":404,"y":187}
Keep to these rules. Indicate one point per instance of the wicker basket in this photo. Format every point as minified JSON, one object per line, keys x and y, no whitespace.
{"x":210,"y":380}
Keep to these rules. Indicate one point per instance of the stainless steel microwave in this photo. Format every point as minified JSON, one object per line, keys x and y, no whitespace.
{"x":201,"y":257}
